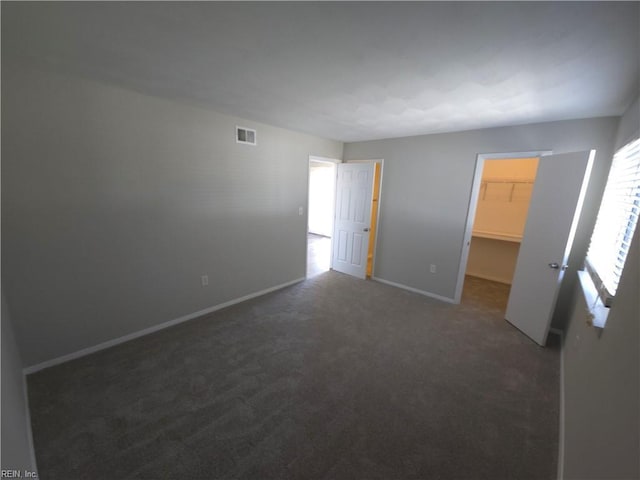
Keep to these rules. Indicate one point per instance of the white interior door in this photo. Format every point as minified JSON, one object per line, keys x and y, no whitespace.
{"x":352,"y":217}
{"x":554,"y":210}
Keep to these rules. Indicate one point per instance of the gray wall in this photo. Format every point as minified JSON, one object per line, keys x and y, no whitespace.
{"x":16,"y":444}
{"x":115,"y":203}
{"x":629,"y":125}
{"x":426,"y":190}
{"x":602,"y":374}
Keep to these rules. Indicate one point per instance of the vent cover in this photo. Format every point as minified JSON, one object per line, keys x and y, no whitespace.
{"x":245,"y":135}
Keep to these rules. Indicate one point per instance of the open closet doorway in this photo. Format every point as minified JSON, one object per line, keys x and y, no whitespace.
{"x":500,"y":217}
{"x":549,"y":214}
{"x":322,"y":192}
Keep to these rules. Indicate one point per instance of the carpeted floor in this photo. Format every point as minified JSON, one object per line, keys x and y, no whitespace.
{"x":485,"y":294}
{"x":332,"y":378}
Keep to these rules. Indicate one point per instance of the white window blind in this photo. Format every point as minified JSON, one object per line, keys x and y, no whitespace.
{"x":616,"y":222}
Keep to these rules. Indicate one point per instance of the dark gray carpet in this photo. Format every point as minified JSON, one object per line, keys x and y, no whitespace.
{"x":333,"y":378}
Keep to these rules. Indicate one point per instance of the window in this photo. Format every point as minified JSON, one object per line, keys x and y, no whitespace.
{"x":616,"y":222}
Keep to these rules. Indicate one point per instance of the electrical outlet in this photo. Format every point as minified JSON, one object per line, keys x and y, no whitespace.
{"x":432,"y":268}
{"x":205,"y":280}
{"x":300,"y":210}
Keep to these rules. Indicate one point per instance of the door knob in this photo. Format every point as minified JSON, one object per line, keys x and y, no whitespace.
{"x":554,"y":265}
{"x":365,"y":229}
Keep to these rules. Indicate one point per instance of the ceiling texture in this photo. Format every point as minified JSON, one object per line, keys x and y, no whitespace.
{"x":347,"y":71}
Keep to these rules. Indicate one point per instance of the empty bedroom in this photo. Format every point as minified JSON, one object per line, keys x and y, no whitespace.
{"x":268,"y":240}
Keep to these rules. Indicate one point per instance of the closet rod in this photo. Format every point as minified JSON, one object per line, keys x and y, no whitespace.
{"x":504,"y":180}
{"x":484,"y":185}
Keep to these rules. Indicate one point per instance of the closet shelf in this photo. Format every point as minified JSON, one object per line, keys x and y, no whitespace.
{"x":484,"y":185}
{"x":507,"y":180}
{"x":507,"y":237}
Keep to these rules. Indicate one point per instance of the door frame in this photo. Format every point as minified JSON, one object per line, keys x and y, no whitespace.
{"x":334,"y":161}
{"x":375,"y":240}
{"x":473,"y":203}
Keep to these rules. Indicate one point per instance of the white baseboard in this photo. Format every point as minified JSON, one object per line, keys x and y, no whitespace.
{"x":414,"y":290}
{"x":561,"y":427}
{"x":488,"y":277}
{"x":32,"y":450}
{"x":155,"y":328}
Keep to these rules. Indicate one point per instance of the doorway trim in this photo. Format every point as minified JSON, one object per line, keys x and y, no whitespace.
{"x":473,"y":203}
{"x":316,"y":158}
{"x":375,"y":240}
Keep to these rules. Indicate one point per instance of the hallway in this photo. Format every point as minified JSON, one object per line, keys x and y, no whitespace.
{"x":318,"y":254}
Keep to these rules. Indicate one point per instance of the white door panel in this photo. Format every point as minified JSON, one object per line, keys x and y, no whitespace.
{"x":554,"y":210}
{"x":353,"y":213}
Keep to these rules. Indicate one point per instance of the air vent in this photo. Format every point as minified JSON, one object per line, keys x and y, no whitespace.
{"x":245,"y":135}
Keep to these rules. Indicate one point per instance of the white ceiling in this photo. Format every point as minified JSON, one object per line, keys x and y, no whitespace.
{"x":348,"y":71}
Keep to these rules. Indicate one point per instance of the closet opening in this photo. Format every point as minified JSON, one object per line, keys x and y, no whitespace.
{"x":500,"y":217}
